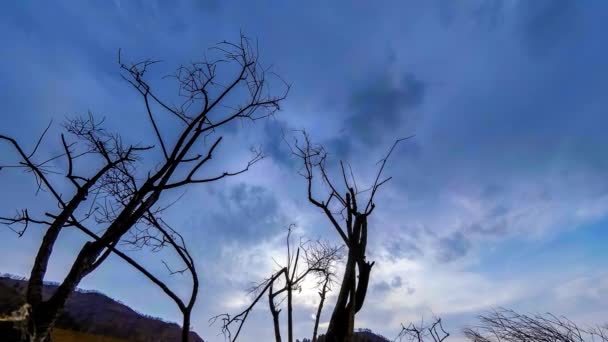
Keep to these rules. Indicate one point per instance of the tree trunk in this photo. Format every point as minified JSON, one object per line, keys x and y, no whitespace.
{"x":352,"y":290}
{"x":320,"y":309}
{"x":36,"y":281}
{"x":289,"y":314}
{"x":275,"y":315}
{"x":39,"y":325}
{"x":340,"y":322}
{"x":43,"y":316}
{"x":277,"y":328}
{"x":186,"y":327}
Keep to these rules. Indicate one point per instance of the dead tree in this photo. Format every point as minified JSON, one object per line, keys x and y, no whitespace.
{"x":509,"y":326}
{"x":322,"y":295}
{"x":433,"y":332}
{"x":319,"y":260}
{"x":115,"y":192}
{"x":325,"y":283}
{"x":348,"y":212}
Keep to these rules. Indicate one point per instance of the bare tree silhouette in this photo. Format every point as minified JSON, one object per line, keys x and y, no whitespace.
{"x":325,"y":285}
{"x":319,"y":259}
{"x":348,"y":213}
{"x":423,"y":332}
{"x":121,"y":195}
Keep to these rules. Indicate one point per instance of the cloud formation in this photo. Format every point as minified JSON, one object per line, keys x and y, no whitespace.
{"x":505,"y":176}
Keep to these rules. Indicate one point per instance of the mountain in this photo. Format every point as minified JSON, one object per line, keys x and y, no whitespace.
{"x":361,"y":335}
{"x":95,"y":314}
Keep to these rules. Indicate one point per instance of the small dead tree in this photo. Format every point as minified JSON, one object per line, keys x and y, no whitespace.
{"x":319,"y":259}
{"x":325,"y":280}
{"x":433,"y":332}
{"x":510,"y":326}
{"x":348,"y":212}
{"x":322,"y":295}
{"x":114,"y":192}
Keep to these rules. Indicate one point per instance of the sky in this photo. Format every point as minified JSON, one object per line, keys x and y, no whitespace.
{"x":500,"y":198}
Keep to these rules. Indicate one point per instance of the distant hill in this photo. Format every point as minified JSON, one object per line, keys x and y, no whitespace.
{"x":361,"y":335}
{"x":95,"y":314}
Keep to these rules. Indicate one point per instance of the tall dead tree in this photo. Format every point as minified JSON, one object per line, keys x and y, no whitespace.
{"x":348,"y":212}
{"x":115,"y":192}
{"x":319,"y":259}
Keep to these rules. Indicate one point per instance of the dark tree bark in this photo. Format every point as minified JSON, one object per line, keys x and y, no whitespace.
{"x":275,"y":315}
{"x":353,"y":230}
{"x":119,"y":198}
{"x":322,"y":295}
{"x":186,"y":327}
{"x":319,"y":258}
{"x":289,"y":313}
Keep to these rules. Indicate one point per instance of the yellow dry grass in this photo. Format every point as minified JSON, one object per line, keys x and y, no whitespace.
{"x":62,"y":335}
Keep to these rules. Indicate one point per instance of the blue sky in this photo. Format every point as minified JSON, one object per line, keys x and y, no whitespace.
{"x":500,"y":199}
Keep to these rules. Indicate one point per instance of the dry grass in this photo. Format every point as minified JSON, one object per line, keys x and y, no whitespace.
{"x":61,"y":335}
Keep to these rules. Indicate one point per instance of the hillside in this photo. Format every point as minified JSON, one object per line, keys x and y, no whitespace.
{"x":96,"y":315}
{"x":362,"y":335}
